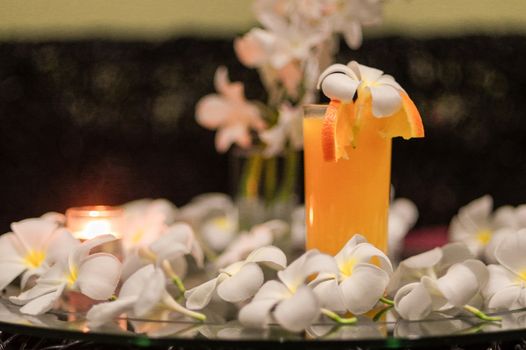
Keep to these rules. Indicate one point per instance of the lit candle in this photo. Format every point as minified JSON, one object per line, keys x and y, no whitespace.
{"x":92,"y":221}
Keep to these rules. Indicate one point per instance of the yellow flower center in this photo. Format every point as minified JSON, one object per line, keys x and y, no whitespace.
{"x":484,"y":236}
{"x":72,"y":276}
{"x":347,"y":268}
{"x":221,"y":222}
{"x":137,"y":236}
{"x":34,"y":258}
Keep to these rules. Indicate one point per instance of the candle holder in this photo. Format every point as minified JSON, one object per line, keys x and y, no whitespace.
{"x":88,"y":222}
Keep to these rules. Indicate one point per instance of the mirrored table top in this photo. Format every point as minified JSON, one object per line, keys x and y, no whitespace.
{"x":218,"y":331}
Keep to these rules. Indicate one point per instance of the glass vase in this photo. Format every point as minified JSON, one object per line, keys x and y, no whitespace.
{"x":264,"y":188}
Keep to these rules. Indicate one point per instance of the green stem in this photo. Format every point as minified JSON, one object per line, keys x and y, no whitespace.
{"x":174,"y":306}
{"x":253,"y":176}
{"x":289,"y":175}
{"x":481,"y":314}
{"x":270,"y":179}
{"x":380,"y":313}
{"x":173,"y":276}
{"x":387,"y":301}
{"x":337,"y":318}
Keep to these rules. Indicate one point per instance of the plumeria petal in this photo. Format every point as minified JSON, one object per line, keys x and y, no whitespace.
{"x":136,"y":282}
{"x":413,"y":302}
{"x":505,"y":298}
{"x":242,"y":285}
{"x":257,"y":314}
{"x":34,"y":233}
{"x":364,"y":252}
{"x":462,"y":281}
{"x":61,"y":245}
{"x":339,"y":86}
{"x":43,"y":303}
{"x":453,"y":253}
{"x":34,"y":293}
{"x":330,"y":295}
{"x":336,"y":68}
{"x":103,"y":313}
{"x":365,"y":73}
{"x":299,"y":311}
{"x":10,"y":271}
{"x":364,"y":287}
{"x":386,"y":100}
{"x":83,"y":249}
{"x":198,"y":297}
{"x":270,"y":256}
{"x":151,"y":294}
{"x":294,"y":275}
{"x":272,"y":290}
{"x":510,"y":253}
{"x":98,"y":276}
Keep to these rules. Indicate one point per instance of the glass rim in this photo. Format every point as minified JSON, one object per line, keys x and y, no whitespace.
{"x":314,"y":110}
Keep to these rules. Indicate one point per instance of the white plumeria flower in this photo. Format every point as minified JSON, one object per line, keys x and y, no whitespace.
{"x":457,"y":288}
{"x":288,"y":128}
{"x":356,"y":284}
{"x":168,"y":252}
{"x":229,"y":112}
{"x":145,"y":220}
{"x":33,"y":246}
{"x":214,"y":217}
{"x":340,"y":82}
{"x":95,"y":276}
{"x":259,"y":236}
{"x":506,"y":285}
{"x":289,"y":301}
{"x":432,"y":263}
{"x":142,"y":295}
{"x":402,"y":217}
{"x":238,"y":281}
{"x":53,"y":216}
{"x":481,"y":229}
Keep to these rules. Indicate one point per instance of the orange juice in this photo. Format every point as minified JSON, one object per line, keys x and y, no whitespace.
{"x":350,"y":195}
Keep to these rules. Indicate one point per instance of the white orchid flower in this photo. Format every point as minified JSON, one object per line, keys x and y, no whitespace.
{"x":402,"y":217}
{"x":145,"y":220}
{"x":259,"y":236}
{"x":33,"y":246}
{"x":289,"y":301}
{"x":350,"y":15}
{"x":229,"y":112}
{"x":238,"y":281}
{"x":288,"y":128}
{"x":143,"y":295}
{"x":506,"y":286}
{"x":168,"y":252}
{"x":357,"y":284}
{"x":456,"y":289}
{"x":482,"y":230}
{"x":95,"y":276}
{"x":340,"y":82}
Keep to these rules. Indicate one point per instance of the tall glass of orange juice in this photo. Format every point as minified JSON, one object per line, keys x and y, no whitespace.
{"x":348,"y":196}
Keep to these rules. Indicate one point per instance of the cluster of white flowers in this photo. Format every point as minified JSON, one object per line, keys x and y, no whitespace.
{"x":297,"y":40}
{"x":482,"y":230}
{"x":252,"y":273}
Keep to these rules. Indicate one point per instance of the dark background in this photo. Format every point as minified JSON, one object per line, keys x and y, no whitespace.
{"x":86,"y":122}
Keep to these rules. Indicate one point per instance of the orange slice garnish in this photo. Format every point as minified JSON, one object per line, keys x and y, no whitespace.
{"x":337,"y":132}
{"x":406,"y":123}
{"x":343,"y":122}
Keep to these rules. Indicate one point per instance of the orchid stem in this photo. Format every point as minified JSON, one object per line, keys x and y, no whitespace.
{"x":337,"y":318}
{"x":173,"y":276}
{"x":174,"y":306}
{"x":481,"y":314}
{"x":387,"y":301}
{"x":289,"y":174}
